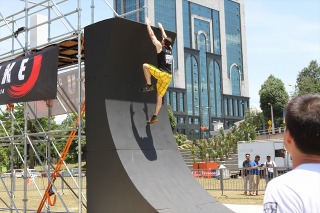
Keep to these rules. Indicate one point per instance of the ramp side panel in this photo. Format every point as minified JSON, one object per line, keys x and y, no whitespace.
{"x":130,"y":129}
{"x":131,"y":167}
{"x":109,"y":189}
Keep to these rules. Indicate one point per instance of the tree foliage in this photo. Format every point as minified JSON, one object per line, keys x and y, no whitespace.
{"x":173,"y":120}
{"x":225,"y":143}
{"x":72,"y":156}
{"x":308,"y":80}
{"x":273,"y":91}
{"x":4,"y":158}
{"x":18,"y":128}
{"x":180,"y":138}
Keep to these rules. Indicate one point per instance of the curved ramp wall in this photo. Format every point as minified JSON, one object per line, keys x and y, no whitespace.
{"x":131,"y":166}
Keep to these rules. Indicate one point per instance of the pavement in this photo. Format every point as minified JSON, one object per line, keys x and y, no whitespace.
{"x":245,"y":208}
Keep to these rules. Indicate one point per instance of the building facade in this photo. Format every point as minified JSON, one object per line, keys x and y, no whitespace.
{"x":210,"y":78}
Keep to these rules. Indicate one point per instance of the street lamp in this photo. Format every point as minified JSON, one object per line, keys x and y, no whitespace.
{"x":202,"y":128}
{"x":294,"y":92}
{"x":272,"y":118}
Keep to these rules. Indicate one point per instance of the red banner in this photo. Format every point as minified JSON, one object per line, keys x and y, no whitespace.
{"x":31,"y":78}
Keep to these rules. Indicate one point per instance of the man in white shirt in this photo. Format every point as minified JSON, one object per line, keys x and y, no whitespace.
{"x":299,"y":189}
{"x":269,"y":164}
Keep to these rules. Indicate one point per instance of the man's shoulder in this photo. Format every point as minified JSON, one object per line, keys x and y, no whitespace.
{"x":288,"y":179}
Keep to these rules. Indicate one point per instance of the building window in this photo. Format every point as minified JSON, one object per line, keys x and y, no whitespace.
{"x":236,"y":107}
{"x":181,"y":102}
{"x":196,"y":132}
{"x":212,"y":90}
{"x":218,"y":87}
{"x":174,"y":101}
{"x":192,"y":91}
{"x":168,"y":98}
{"x":165,"y":13}
{"x":231,"y":107}
{"x":235,"y":78}
{"x":226,"y":106}
{"x":233,"y":34}
{"x":216,"y":32}
{"x":196,"y":121}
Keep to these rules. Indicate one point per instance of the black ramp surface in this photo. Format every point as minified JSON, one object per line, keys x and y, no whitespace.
{"x":131,"y":166}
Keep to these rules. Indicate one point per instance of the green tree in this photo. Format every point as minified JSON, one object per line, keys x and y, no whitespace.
{"x":273,"y":91}
{"x":180,"y":138}
{"x":32,"y":127}
{"x":225,"y":143}
{"x":72,"y":156}
{"x":308,"y":80}
{"x":173,"y":120}
{"x":4,"y":158}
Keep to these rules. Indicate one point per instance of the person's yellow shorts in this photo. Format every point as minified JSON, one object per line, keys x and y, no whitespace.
{"x":163,"y":79}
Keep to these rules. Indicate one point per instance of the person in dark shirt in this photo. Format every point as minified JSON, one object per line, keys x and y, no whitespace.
{"x":245,"y":174}
{"x":162,"y":72}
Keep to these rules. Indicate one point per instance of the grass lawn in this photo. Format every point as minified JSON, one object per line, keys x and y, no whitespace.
{"x":34,"y":197}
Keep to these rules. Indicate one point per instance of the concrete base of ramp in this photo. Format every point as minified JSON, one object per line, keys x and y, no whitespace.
{"x":131,"y":166}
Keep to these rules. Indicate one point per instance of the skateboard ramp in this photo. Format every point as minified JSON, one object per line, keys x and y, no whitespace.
{"x":131,"y":166}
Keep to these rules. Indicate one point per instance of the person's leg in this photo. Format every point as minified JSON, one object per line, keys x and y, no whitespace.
{"x":250,"y":183}
{"x":154,"y":117}
{"x":254,"y":190}
{"x":271,"y":175}
{"x":147,"y":74}
{"x":163,"y":81}
{"x":158,"y":105}
{"x":257,"y":184}
{"x":246,"y":182}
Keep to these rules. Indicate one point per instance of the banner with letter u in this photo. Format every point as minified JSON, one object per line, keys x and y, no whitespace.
{"x":31,"y":78}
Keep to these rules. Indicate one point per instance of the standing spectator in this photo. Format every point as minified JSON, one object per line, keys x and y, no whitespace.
{"x":299,"y":189}
{"x":245,"y":174}
{"x":255,"y":175}
{"x":269,"y":164}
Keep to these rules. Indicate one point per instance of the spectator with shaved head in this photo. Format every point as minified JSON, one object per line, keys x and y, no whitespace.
{"x":299,"y":189}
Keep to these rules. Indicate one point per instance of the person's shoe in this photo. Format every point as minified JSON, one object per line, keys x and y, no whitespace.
{"x":51,"y":193}
{"x":153,"y":119}
{"x":147,"y":88}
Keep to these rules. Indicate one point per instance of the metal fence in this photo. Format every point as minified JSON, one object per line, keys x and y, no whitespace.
{"x":210,"y":179}
{"x":41,"y":183}
{"x":222,"y":179}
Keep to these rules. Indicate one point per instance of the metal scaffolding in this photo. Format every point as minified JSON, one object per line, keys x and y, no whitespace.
{"x":63,"y":23}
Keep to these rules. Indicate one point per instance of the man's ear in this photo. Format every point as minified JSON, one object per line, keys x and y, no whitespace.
{"x":288,"y":140}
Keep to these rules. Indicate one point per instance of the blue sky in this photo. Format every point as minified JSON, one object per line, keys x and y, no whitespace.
{"x":283,"y":36}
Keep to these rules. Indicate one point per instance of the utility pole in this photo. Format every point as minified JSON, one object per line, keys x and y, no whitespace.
{"x":273,"y":132}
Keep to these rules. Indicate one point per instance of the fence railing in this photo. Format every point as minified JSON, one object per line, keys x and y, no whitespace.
{"x":267,"y":132}
{"x":210,"y":179}
{"x":222,"y":179}
{"x":41,"y":183}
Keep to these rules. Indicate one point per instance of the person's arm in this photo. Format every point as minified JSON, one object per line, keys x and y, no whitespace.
{"x":153,"y":38}
{"x":164,"y":35}
{"x":274,"y":170}
{"x":243,"y":170}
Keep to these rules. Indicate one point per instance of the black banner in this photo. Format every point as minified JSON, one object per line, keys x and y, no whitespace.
{"x":31,"y":78}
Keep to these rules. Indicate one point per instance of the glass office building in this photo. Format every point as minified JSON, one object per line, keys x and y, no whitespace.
{"x":210,"y":79}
